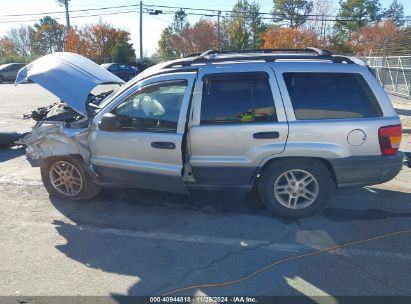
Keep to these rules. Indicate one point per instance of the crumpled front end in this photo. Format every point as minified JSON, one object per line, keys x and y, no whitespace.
{"x":50,"y":139}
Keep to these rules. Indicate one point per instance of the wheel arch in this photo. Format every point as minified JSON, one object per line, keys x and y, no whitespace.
{"x":271,"y":161}
{"x":90,"y":186}
{"x":77,"y":156}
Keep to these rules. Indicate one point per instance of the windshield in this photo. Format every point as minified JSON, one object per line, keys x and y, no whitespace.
{"x":113,"y":95}
{"x":98,"y":97}
{"x":124,"y":88}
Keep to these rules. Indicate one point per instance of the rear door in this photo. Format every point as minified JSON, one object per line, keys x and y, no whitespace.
{"x":146,"y":152}
{"x":238,"y":123}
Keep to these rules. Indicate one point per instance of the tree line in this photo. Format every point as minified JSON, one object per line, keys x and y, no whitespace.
{"x":101,"y":42}
{"x":360,"y":27}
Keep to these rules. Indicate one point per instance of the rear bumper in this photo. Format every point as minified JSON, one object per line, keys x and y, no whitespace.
{"x":366,"y":170}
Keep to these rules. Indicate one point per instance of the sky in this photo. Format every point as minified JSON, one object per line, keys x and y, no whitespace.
{"x":152,"y":25}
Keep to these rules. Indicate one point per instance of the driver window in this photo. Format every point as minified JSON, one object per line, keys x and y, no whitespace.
{"x":155,"y":108}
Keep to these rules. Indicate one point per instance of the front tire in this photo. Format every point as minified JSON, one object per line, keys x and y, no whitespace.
{"x":66,"y":177}
{"x":296,"y":187}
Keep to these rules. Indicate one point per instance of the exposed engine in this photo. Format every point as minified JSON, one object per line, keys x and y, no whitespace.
{"x":60,"y":111}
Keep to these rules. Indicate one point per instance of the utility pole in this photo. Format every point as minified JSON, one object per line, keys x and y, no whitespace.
{"x":141,"y":29}
{"x":180,"y":16}
{"x":323,"y":27}
{"x":66,"y":6}
{"x":218,"y":30}
{"x":384,"y":61}
{"x":67,"y":15}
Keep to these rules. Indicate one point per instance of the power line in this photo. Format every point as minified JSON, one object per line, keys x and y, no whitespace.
{"x":309,"y":18}
{"x":89,"y":13}
{"x":73,"y":16}
{"x":174,"y":7}
{"x":238,"y":14}
{"x":242,"y":12}
{"x":73,"y":11}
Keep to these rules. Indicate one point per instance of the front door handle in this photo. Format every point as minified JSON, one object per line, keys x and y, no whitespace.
{"x":163,"y":145}
{"x":266,"y":135}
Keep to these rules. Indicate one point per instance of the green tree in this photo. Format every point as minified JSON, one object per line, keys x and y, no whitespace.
{"x":48,"y":36}
{"x":236,"y":32}
{"x":165,"y":50}
{"x":7,"y":48}
{"x":361,"y":12}
{"x":244,"y":27}
{"x":395,"y":12}
{"x":123,"y":53}
{"x":257,"y":27}
{"x":337,"y":42}
{"x":294,"y":12}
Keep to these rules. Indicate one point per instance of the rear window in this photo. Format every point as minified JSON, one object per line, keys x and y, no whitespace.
{"x":237,"y":98}
{"x":331,"y":96}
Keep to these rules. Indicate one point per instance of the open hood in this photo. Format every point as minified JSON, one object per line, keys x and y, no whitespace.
{"x":69,"y":76}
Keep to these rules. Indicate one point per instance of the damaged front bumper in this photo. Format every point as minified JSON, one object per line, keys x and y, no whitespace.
{"x":34,"y":162}
{"x":50,"y":139}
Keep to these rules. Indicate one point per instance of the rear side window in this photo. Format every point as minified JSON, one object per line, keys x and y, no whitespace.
{"x":237,"y":98}
{"x":331,"y":96}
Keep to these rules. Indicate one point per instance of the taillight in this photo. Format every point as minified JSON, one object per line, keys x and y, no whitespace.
{"x":390,"y":139}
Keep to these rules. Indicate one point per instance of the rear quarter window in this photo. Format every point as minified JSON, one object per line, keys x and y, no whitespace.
{"x":331,"y":96}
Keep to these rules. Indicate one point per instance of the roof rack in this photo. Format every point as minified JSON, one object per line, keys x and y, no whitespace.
{"x":271,"y":51}
{"x":268,"y":55}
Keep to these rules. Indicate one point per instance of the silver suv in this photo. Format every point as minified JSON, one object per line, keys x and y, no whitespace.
{"x":294,"y":125}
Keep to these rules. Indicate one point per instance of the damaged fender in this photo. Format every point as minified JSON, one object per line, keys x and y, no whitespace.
{"x":53,"y":139}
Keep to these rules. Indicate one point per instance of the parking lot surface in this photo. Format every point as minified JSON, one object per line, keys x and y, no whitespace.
{"x":137,"y":242}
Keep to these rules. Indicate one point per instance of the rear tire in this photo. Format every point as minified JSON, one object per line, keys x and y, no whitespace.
{"x":1,"y":79}
{"x":66,"y":177}
{"x":296,"y":187}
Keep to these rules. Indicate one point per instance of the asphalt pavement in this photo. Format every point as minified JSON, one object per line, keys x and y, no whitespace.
{"x":137,"y":242}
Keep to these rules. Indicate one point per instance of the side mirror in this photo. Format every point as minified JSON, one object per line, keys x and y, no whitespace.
{"x":110,"y":122}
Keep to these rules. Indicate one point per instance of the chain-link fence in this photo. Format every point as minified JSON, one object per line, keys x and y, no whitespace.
{"x":393,"y":72}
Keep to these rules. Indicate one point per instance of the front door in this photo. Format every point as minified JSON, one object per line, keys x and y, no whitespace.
{"x":146,"y":152}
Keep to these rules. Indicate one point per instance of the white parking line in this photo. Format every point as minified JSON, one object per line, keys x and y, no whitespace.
{"x":310,"y":290}
{"x":247,"y":243}
{"x":211,"y":240}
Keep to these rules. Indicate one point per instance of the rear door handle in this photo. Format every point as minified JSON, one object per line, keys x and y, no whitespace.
{"x":266,"y":135}
{"x":163,"y":145}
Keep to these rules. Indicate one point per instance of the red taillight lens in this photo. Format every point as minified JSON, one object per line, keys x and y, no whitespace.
{"x":390,"y":139}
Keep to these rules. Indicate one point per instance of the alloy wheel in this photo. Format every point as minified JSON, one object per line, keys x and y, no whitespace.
{"x":66,"y":178}
{"x":296,"y":189}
